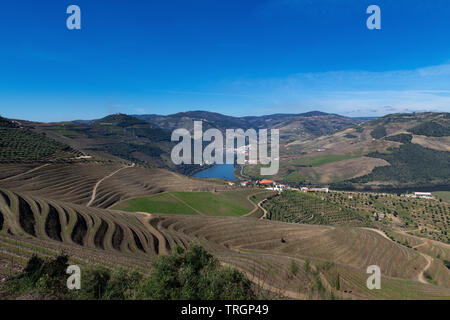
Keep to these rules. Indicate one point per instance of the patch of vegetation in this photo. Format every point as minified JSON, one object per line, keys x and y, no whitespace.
{"x":23,"y":145}
{"x":125,"y":150}
{"x":294,"y":267}
{"x":431,"y":129}
{"x":159,"y":203}
{"x":410,"y":163}
{"x":41,"y":277}
{"x":411,"y":213}
{"x":298,"y":207}
{"x":184,"y":275}
{"x":403,"y":138}
{"x":228,"y":203}
{"x":194,"y":275}
{"x":350,"y":136}
{"x":294,"y":176}
{"x":379,"y":132}
{"x":442,"y":195}
{"x":318,"y":161}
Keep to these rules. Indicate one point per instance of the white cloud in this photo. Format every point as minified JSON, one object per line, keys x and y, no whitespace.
{"x":368,"y":93}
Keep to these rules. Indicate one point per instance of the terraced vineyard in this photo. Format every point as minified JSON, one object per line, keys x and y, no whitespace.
{"x":294,"y":206}
{"x":46,"y":209}
{"x":46,"y":227}
{"x":75,"y":183}
{"x":264,"y":250}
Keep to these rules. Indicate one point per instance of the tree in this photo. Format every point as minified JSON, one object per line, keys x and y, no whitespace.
{"x":194,"y":275}
{"x":95,"y":282}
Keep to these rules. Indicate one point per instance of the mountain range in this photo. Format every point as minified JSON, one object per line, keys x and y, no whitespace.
{"x":317,"y":148}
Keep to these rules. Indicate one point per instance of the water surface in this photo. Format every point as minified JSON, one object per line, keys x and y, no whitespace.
{"x":219,"y":171}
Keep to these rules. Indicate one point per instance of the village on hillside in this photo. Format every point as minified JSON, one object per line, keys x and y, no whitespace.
{"x":275,"y":186}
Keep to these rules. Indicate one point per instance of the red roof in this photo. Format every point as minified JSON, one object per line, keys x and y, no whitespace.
{"x":265,"y":181}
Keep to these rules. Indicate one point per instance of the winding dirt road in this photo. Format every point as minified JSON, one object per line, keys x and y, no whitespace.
{"x":94,"y":191}
{"x":255,"y":206}
{"x":421,"y":276}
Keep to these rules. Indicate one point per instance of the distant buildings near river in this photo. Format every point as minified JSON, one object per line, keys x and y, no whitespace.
{"x":275,"y":186}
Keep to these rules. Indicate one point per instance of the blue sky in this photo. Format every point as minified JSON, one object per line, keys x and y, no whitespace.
{"x":235,"y":57}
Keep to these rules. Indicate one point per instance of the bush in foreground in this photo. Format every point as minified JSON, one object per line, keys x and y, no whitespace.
{"x":184,"y":275}
{"x":196,"y":275}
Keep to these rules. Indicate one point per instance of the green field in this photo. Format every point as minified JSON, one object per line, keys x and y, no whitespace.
{"x":444,"y":195}
{"x":227,"y":203}
{"x":321,"y":160}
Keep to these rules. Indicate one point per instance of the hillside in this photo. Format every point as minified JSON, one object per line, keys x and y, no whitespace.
{"x":292,"y":126}
{"x":116,"y":138}
{"x":396,"y":151}
{"x":264,"y":250}
{"x":145,"y":139}
{"x":75,"y":183}
{"x":116,"y":211}
{"x":19,"y":144}
{"x":58,"y":207}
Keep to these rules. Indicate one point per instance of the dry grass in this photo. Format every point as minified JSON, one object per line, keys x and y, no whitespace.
{"x":436,"y":143}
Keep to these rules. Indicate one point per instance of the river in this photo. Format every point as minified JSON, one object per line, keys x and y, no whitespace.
{"x":219,"y":171}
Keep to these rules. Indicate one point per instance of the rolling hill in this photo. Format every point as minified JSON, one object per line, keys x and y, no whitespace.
{"x":264,"y":250}
{"x":121,"y":210}
{"x":394,"y":151}
{"x":305,"y":125}
{"x":21,"y":145}
{"x":117,"y":137}
{"x":145,"y":139}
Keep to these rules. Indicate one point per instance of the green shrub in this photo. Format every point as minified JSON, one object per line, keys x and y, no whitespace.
{"x":194,"y":275}
{"x":294,"y":267}
{"x":184,"y":275}
{"x":122,"y":285}
{"x":94,"y":282}
{"x":47,"y":277}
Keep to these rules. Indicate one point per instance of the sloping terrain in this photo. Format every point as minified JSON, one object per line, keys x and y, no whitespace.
{"x":117,"y":137}
{"x":225,"y":203}
{"x":309,"y":124}
{"x":263,"y":249}
{"x":53,"y":206}
{"x":399,"y":150}
{"x":75,"y":183}
{"x":21,"y":145}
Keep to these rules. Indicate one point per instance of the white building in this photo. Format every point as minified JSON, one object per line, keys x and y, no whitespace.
{"x":319,"y":190}
{"x":423,"y":195}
